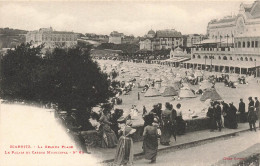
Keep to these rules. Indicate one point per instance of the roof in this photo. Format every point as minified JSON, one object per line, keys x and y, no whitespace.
{"x":58,"y":32}
{"x":151,"y":32}
{"x":255,"y":10}
{"x":168,"y":33}
{"x":208,"y":41}
{"x":215,"y":62}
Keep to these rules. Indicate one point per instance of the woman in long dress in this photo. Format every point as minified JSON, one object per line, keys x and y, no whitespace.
{"x":150,"y":144}
{"x":181,"y":125}
{"x":109,"y":139}
{"x":124,"y":152}
{"x":166,"y":127}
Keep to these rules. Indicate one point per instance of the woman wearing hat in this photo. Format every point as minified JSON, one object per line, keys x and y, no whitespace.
{"x":124,"y":152}
{"x":150,"y":143}
{"x":109,"y":139}
{"x":167,"y":122}
{"x":251,"y":117}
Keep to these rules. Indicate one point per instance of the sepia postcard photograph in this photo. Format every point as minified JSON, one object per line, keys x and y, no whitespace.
{"x":130,"y":83}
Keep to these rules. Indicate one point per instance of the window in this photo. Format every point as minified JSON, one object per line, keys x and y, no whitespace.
{"x":239,"y":44}
{"x":252,"y":44}
{"x":235,"y":45}
{"x":224,"y":58}
{"x":206,"y":57}
{"x":219,"y":57}
{"x":244,"y":44}
{"x":251,"y":59}
{"x":199,"y":56}
{"x":231,"y":58}
{"x":248,"y":44}
{"x":241,"y":58}
{"x":246,"y":59}
{"x":193,"y":56}
{"x":256,"y":44}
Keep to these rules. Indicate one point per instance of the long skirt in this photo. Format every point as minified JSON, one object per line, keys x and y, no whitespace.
{"x":124,"y":152}
{"x":166,"y":134}
{"x":233,"y":122}
{"x":243,"y":117}
{"x":226,"y":122}
{"x":109,"y":139}
{"x":213,"y":124}
{"x":150,"y":146}
{"x":180,"y":125}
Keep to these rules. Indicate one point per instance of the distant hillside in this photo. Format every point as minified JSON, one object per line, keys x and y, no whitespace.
{"x":11,"y":37}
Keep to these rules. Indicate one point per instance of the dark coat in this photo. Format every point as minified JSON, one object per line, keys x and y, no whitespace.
{"x":217,"y":113}
{"x":251,"y":103}
{"x":242,"y":107}
{"x":251,"y":115}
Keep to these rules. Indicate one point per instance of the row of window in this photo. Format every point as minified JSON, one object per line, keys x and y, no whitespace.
{"x":248,"y":44}
{"x":225,"y":58}
{"x":57,"y":39}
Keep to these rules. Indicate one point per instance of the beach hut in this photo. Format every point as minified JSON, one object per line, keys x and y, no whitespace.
{"x":169,"y":91}
{"x":211,"y":94}
{"x":205,"y":85}
{"x":186,"y":93}
{"x":152,"y":92}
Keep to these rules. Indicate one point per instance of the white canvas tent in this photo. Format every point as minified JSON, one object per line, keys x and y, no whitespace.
{"x":186,"y":93}
{"x":152,"y":92}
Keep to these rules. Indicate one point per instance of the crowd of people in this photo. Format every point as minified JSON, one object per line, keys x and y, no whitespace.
{"x":226,"y":116}
{"x":159,"y":126}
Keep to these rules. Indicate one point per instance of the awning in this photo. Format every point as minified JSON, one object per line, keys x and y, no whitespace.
{"x":229,"y":63}
{"x":214,"y":41}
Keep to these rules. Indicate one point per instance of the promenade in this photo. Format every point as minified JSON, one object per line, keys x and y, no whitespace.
{"x":184,"y":141}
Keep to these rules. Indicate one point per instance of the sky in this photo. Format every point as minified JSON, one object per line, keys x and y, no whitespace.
{"x":103,"y":17}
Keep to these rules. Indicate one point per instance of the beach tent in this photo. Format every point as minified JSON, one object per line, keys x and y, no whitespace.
{"x":233,"y":78}
{"x":142,"y":83}
{"x":186,"y":93}
{"x":152,"y":92}
{"x":177,"y":79}
{"x":211,"y":94}
{"x":162,"y":89}
{"x":198,"y":74}
{"x":176,"y":85}
{"x":169,"y":91}
{"x":205,"y":85}
{"x":185,"y":85}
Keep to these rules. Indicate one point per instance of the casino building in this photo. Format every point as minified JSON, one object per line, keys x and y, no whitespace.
{"x":233,"y":43}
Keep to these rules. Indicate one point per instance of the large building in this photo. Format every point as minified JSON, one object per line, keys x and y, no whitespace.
{"x":51,"y":38}
{"x":227,"y":28}
{"x":233,"y":44}
{"x":161,"y":39}
{"x":115,"y":37}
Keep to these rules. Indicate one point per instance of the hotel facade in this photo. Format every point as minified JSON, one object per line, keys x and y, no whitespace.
{"x":161,"y":39}
{"x":51,"y":38}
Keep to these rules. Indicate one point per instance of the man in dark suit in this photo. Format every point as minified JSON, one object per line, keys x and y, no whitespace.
{"x":242,"y":111}
{"x":217,"y":115}
{"x":257,"y":109}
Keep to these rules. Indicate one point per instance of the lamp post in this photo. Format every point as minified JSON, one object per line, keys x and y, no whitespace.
{"x":205,"y":62}
{"x":220,"y":37}
{"x":211,"y":63}
{"x":232,"y":36}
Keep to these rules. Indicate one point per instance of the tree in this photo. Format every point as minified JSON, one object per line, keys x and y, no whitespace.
{"x":79,"y":81}
{"x":67,"y":77}
{"x":19,"y":72}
